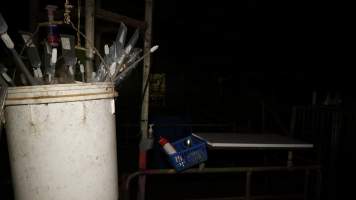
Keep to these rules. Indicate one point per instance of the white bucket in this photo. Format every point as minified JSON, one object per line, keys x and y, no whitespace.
{"x":62,"y":141}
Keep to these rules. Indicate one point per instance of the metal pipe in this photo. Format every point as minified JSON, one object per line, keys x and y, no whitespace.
{"x":185,"y":125}
{"x":213,"y":170}
{"x":275,"y":197}
{"x":257,"y":197}
{"x":248,"y":186}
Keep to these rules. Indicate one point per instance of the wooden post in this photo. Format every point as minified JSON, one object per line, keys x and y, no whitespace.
{"x":34,"y":9}
{"x":145,"y":90}
{"x":89,"y":32}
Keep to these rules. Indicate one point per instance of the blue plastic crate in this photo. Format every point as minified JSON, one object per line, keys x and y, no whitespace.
{"x":187,"y":157}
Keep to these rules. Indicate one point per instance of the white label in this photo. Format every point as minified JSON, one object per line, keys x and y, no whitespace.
{"x":112,"y":106}
{"x":128,"y":49}
{"x":93,"y":75}
{"x":7,"y":40}
{"x":48,"y":48}
{"x":121,"y":38}
{"x":6,"y":77}
{"x":113,"y":68}
{"x":121,"y":59}
{"x":54,"y":56}
{"x":81,"y":68}
{"x":71,"y":71}
{"x":169,"y":148}
{"x":35,"y":73}
{"x":153,"y":49}
{"x":39,"y":72}
{"x":65,"y":43}
{"x":106,"y":49}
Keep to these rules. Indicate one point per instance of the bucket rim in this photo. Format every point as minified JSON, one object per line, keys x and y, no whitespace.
{"x":56,"y":93}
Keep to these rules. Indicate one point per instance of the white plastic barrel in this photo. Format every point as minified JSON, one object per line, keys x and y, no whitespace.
{"x":62,"y":141}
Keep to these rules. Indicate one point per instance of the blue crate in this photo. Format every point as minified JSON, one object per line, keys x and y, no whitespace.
{"x":187,"y":157}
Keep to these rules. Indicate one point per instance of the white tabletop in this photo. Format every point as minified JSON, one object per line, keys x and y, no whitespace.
{"x":251,"y":141}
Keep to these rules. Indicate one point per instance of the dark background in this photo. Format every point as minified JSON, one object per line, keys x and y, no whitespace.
{"x":223,"y":58}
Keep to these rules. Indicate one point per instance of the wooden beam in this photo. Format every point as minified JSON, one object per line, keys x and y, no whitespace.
{"x":146,"y":69}
{"x":145,"y":89}
{"x":116,"y":18}
{"x":89,"y":32}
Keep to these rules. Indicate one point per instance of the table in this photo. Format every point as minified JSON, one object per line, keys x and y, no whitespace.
{"x":261,"y":141}
{"x":252,"y":141}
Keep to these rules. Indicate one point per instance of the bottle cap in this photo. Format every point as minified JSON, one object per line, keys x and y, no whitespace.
{"x":162,"y":141}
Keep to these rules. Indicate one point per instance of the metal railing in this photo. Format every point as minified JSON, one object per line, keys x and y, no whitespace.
{"x":323,"y":126}
{"x":248,"y":170}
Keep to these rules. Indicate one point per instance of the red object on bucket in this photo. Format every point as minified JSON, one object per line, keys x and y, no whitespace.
{"x":167,"y":146}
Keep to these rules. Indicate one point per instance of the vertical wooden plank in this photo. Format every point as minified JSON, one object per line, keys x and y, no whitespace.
{"x":34,"y":10}
{"x":146,"y":89}
{"x":89,"y":32}
{"x":146,"y":67}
